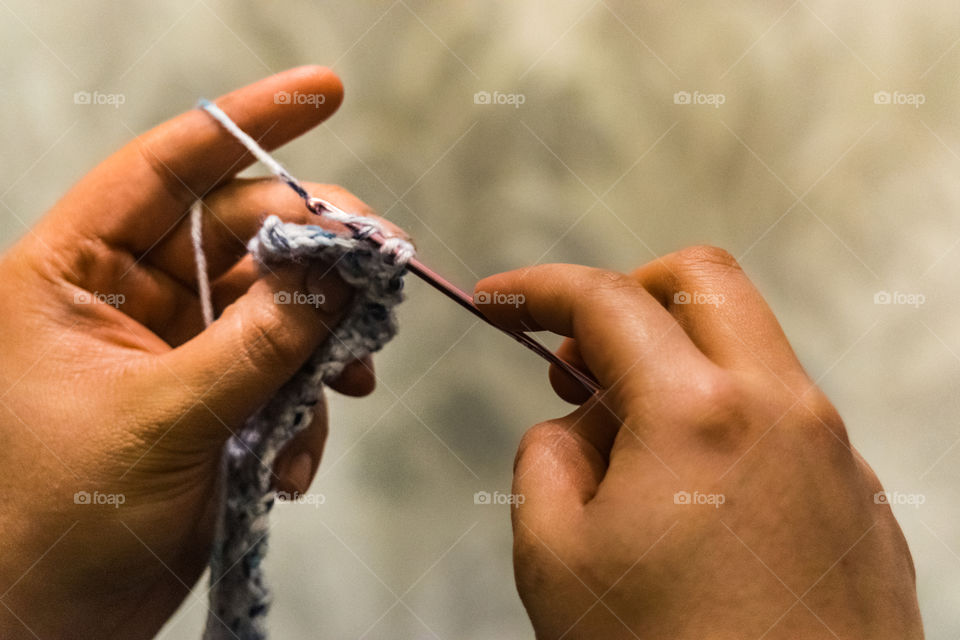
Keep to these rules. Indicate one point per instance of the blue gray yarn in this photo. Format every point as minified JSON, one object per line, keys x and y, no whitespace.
{"x":239,"y":596}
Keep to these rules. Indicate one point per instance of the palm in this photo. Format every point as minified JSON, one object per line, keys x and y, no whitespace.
{"x":111,"y":387}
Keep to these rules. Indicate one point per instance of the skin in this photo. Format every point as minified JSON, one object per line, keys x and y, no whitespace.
{"x":136,"y":400}
{"x":787,"y":540}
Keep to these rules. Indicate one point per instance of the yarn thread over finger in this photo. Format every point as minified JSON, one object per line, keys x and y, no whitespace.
{"x":239,"y":597}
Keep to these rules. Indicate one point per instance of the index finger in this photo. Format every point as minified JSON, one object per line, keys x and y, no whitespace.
{"x":625,"y":336}
{"x":138,"y":194}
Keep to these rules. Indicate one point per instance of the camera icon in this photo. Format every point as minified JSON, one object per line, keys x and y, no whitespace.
{"x":681,"y":497}
{"x":881,"y":497}
{"x":81,"y":497}
{"x":282,"y":97}
{"x":881,"y":97}
{"x":82,"y":97}
{"x":682,"y":97}
{"x":82,"y":297}
{"x":482,"y":97}
{"x":481,"y":497}
{"x":682,"y":297}
{"x":482,"y":297}
{"x":882,"y":297}
{"x":282,"y":297}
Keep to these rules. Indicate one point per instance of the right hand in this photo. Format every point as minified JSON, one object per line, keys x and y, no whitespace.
{"x":710,"y":491}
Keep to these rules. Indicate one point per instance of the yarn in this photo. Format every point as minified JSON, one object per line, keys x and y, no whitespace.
{"x":203,"y":277}
{"x":239,"y":597}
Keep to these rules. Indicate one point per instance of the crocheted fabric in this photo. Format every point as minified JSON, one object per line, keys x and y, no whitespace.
{"x":239,"y":597}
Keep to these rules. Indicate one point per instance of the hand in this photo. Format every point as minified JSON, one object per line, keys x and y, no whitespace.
{"x":114,"y":402}
{"x":710,"y":491}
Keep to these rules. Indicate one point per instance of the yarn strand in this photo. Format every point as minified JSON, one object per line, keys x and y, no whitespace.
{"x":203,"y":276}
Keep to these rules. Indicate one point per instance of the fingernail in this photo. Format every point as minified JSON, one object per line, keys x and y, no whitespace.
{"x":299,"y":472}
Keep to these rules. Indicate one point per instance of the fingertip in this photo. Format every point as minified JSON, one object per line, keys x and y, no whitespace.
{"x":297,"y":464}
{"x":322,"y":80}
{"x":505,"y":281}
{"x":283,"y":106}
{"x":295,"y":475}
{"x":483,"y":285}
{"x":480,"y":297}
{"x":504,"y":304}
{"x":555,"y":470}
{"x":358,"y":379}
{"x":566,"y":387}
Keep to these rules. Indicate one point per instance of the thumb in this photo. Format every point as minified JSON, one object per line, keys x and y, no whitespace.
{"x":259,"y":342}
{"x":558,"y":469}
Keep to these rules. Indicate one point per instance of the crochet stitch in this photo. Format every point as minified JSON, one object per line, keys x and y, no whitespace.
{"x":239,"y":596}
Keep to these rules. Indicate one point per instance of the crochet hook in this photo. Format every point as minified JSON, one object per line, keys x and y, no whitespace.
{"x":444,"y":286}
{"x":319,"y":206}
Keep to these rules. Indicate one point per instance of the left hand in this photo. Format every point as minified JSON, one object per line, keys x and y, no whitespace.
{"x":115,"y":401}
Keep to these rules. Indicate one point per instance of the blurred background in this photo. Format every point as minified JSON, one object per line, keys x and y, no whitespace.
{"x":817,"y":141}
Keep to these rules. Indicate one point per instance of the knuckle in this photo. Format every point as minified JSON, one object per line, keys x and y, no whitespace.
{"x":822,"y":418}
{"x":707,"y":255}
{"x":720,"y":391}
{"x":90,"y":259}
{"x":807,"y":412}
{"x":719,"y":402}
{"x":148,"y":147}
{"x":602,"y":281}
{"x":698,"y":267}
{"x":263,"y":333}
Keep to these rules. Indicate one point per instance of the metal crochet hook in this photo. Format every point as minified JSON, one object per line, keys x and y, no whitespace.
{"x":444,"y":286}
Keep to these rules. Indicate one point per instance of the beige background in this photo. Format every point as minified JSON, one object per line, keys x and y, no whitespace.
{"x":825,"y":196}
